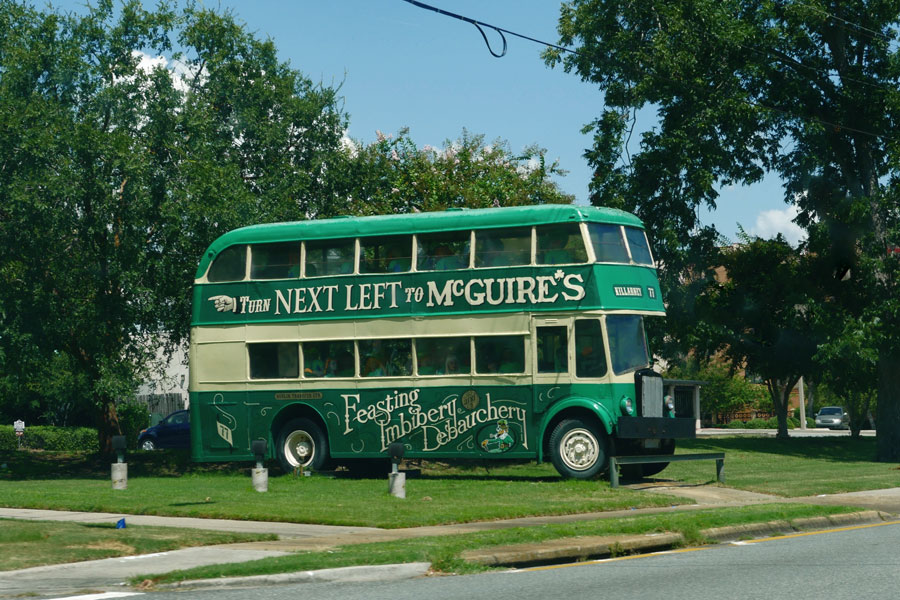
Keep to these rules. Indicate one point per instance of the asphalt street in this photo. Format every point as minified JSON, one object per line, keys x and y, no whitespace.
{"x":847,"y":563}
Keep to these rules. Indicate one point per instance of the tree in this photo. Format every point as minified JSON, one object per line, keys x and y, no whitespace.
{"x":808,"y":90}
{"x":724,"y":389}
{"x":760,"y":317}
{"x":117,"y":172}
{"x":393,"y":175}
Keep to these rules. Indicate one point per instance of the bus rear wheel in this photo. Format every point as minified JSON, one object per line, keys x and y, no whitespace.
{"x":579,"y":449}
{"x":302,"y":445}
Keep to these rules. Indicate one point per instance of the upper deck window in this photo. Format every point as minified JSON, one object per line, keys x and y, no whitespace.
{"x":329,"y":257}
{"x":503,"y":247}
{"x":386,"y":254}
{"x":230,"y":265}
{"x":443,"y":251}
{"x":637,"y":243}
{"x":560,"y":244}
{"x":275,"y":261}
{"x":609,"y":245}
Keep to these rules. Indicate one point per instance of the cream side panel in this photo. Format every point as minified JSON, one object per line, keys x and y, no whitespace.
{"x":344,"y":384}
{"x":224,"y":362}
{"x":219,"y":333}
{"x":367,"y":329}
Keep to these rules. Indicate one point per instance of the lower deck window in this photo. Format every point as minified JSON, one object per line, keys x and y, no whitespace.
{"x":443,"y":356}
{"x":500,"y":354}
{"x":385,"y":358}
{"x":276,"y":360}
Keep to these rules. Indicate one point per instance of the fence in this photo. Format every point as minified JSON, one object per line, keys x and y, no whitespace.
{"x":162,"y":404}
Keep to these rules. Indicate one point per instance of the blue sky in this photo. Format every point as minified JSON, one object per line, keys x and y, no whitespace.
{"x":401,"y":66}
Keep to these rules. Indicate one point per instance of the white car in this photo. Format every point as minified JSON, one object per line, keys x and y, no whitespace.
{"x":833,"y":417}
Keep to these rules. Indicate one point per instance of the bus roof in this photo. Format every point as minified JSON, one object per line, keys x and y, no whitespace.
{"x":448,"y":220}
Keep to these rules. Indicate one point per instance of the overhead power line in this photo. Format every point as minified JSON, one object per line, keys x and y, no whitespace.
{"x":502,"y":31}
{"x":480,"y":24}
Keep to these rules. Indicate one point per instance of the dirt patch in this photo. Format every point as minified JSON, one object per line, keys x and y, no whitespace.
{"x":111,"y":545}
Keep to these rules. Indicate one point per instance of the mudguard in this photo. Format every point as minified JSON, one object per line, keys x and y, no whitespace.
{"x":592,"y":405}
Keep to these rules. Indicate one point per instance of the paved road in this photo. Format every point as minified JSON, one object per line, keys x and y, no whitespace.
{"x":861,"y":562}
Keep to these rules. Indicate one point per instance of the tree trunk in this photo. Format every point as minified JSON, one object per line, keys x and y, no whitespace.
{"x":107,"y":424}
{"x":887,"y":422}
{"x":780,"y":392}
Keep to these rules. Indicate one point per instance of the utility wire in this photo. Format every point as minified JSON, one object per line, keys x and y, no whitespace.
{"x":480,"y":24}
{"x":845,"y":21}
{"x":753,"y":103}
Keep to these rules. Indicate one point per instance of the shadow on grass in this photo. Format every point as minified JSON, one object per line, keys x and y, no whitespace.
{"x":34,"y":464}
{"x":842,"y":449}
{"x":37,"y":465}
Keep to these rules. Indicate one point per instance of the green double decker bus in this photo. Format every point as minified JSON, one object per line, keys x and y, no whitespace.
{"x":507,"y":333}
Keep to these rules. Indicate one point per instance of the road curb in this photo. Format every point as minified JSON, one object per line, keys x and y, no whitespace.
{"x":590,"y":548}
{"x":571,"y":549}
{"x":363,"y":573}
{"x":751,"y":530}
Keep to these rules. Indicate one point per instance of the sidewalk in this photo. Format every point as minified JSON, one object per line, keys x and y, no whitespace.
{"x":110,"y":574}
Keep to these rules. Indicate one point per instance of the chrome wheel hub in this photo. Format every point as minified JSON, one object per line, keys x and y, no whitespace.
{"x":579,"y":449}
{"x":299,"y":448}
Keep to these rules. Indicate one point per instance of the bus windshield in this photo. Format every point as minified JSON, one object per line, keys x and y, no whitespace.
{"x":627,"y":344}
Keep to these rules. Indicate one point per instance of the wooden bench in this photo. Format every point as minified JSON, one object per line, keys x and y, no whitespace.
{"x":615,"y":461}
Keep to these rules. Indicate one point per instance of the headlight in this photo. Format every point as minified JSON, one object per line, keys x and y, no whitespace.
{"x":670,"y":403}
{"x":626,"y":405}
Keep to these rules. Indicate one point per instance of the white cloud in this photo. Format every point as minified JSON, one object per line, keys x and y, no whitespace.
{"x":769,"y":223}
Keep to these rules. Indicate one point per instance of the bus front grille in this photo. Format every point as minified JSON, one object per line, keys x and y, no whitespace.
{"x":651,"y":396}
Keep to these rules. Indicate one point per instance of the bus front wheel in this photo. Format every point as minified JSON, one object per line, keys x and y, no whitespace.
{"x":578,"y":449}
{"x":302,"y":445}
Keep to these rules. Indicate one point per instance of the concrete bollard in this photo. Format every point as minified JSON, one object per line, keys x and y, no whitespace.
{"x":396,"y":479}
{"x":120,"y":467}
{"x":397,"y":484}
{"x":260,"y":477}
{"x":120,"y":476}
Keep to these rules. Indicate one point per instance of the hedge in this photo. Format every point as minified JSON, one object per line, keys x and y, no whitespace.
{"x":58,"y":439}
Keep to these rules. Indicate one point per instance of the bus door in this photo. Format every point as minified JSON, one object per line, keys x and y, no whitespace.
{"x":552,"y":355}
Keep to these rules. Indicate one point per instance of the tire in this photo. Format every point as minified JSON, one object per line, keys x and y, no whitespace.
{"x":579,"y":449}
{"x":147,"y":444}
{"x":666,"y":447}
{"x":368,"y":467}
{"x":302,"y":445}
{"x":633,"y":472}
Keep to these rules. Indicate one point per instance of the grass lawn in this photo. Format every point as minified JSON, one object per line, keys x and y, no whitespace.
{"x":431,"y":499}
{"x":26,"y":544}
{"x":166,"y":483}
{"x":790,"y":468}
{"x":443,"y":551}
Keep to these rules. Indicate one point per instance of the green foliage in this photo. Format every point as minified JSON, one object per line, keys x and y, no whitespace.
{"x":731,"y":86}
{"x":735,"y":424}
{"x":133,"y":417}
{"x":7,"y":438}
{"x":723,"y":391}
{"x":118,"y":171}
{"x":55,"y":439}
{"x":393,"y":175}
{"x":760,"y":317}
{"x":758,"y":424}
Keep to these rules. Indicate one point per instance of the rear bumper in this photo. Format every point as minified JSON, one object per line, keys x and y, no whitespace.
{"x":656,"y":428}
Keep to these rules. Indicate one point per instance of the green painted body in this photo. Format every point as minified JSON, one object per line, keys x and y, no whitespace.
{"x":435,"y":422}
{"x":509,"y":290}
{"x":468,"y":417}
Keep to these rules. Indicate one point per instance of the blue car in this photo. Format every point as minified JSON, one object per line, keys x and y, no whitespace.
{"x":172,"y":432}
